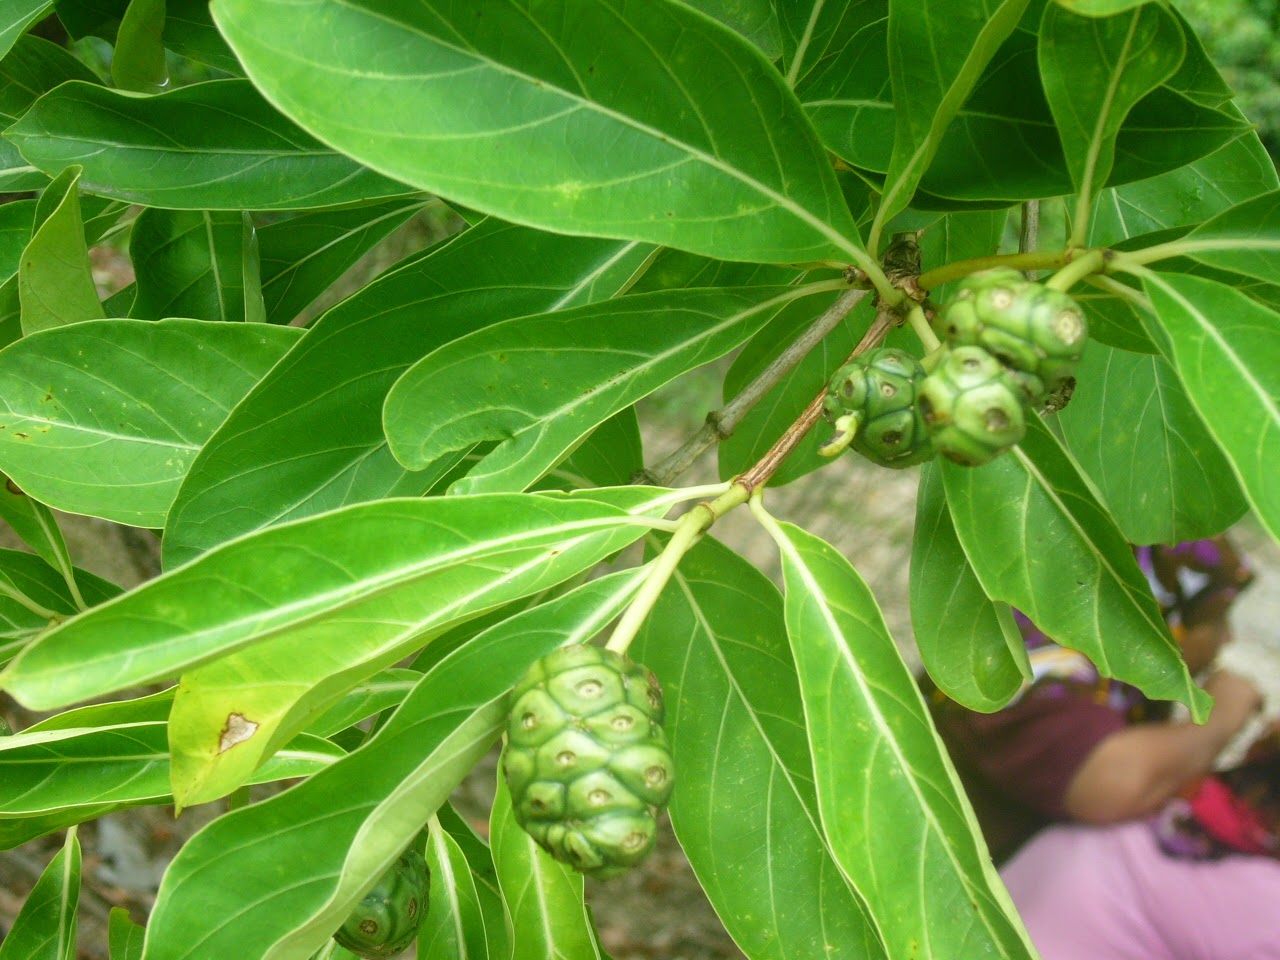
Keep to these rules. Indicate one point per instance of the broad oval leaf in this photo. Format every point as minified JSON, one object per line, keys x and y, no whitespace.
{"x":125,"y":402}
{"x":814,"y":31}
{"x":33,"y":578}
{"x":1244,"y":239}
{"x":530,"y":111}
{"x":745,"y":809}
{"x":754,"y":19}
{"x":209,"y":146}
{"x":892,"y":806}
{"x":548,"y":917}
{"x":313,"y":427}
{"x":495,"y":384}
{"x":1223,"y":345}
{"x":454,"y":926}
{"x":16,"y":16}
{"x":1157,"y":467}
{"x":1077,"y":578}
{"x":390,"y":788}
{"x":138,"y":60}
{"x":45,"y":927}
{"x":957,"y":626}
{"x":1095,"y":71}
{"x":55,"y":282}
{"x":32,"y":68}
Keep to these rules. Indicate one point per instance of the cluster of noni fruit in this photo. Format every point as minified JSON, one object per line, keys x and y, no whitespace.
{"x":1008,"y":344}
{"x":587,"y":760}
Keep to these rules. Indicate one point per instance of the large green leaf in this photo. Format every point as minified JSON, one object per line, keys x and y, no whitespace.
{"x":55,"y":282}
{"x":192,"y":263}
{"x":1156,"y":466}
{"x":1095,"y":71}
{"x":780,"y":406}
{"x":892,"y":806}
{"x":496,"y":384}
{"x":124,"y":936}
{"x":599,"y":117}
{"x":312,"y":429}
{"x":45,"y":927}
{"x":138,"y":60}
{"x":104,"y":418}
{"x":33,"y":578}
{"x":1100,"y":8}
{"x":1076,"y":577}
{"x":754,"y":19}
{"x":549,"y":919}
{"x":382,"y":692}
{"x":957,"y":626}
{"x":32,"y":68}
{"x":303,"y":256}
{"x":744,"y":807}
{"x":1223,"y":346}
{"x":209,"y":146}
{"x":16,"y":16}
{"x":66,"y":776}
{"x":506,"y":549}
{"x":291,"y":868}
{"x":454,"y":927}
{"x":935,"y":61}
{"x":36,"y":525}
{"x":814,"y":31}
{"x":1244,"y":239}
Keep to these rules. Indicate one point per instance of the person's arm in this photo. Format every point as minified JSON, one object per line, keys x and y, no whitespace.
{"x":1133,"y":772}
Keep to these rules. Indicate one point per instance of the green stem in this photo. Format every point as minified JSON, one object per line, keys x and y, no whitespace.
{"x":690,"y":528}
{"x":1088,"y":263}
{"x":1118,"y":289}
{"x":13,"y":593}
{"x":1017,"y":261}
{"x":920,"y":324}
{"x":1186,"y":248}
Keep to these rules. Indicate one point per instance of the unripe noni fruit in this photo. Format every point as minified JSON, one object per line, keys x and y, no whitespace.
{"x":1037,"y":333}
{"x":973,"y":409}
{"x":873,"y":397}
{"x":587,"y":760}
{"x":385,"y":922}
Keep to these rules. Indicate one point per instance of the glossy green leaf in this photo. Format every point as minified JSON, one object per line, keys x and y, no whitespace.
{"x":291,"y":892}
{"x":495,"y":384}
{"x":32,"y":577}
{"x":507,"y":113}
{"x":1095,"y":71}
{"x":124,"y":936}
{"x":549,"y":919}
{"x":138,"y":63}
{"x":814,"y":31}
{"x":778,"y":409}
{"x":960,"y":236}
{"x":189,"y":30}
{"x":453,"y":927}
{"x":209,"y":146}
{"x":45,"y":927}
{"x":1157,"y":467}
{"x":151,"y":708}
{"x":1100,"y":8}
{"x":1244,"y":239}
{"x":744,"y":809}
{"x":66,"y":776}
{"x":1033,"y":504}
{"x":1223,"y":346}
{"x":892,"y":806}
{"x":15,"y":17}
{"x":934,"y":63}
{"x":754,"y":19}
{"x":17,"y":220}
{"x":312,"y":430}
{"x":1198,"y":77}
{"x":190,"y":263}
{"x":676,"y":270}
{"x":36,"y":525}
{"x":610,"y":456}
{"x":379,"y":693}
{"x":303,"y":256}
{"x":32,"y":68}
{"x":505,"y":549}
{"x":126,"y":403}
{"x":957,"y":628}
{"x":55,"y":283}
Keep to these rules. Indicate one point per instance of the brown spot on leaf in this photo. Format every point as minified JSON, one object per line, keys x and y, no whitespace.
{"x":13,"y":488}
{"x":239,"y":728}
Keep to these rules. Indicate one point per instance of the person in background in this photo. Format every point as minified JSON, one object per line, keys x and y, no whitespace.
{"x":1074,"y":746}
{"x":1199,"y":881}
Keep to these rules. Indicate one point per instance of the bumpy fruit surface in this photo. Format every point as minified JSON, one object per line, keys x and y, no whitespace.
{"x":1037,"y":333}
{"x":385,"y":922}
{"x":875,"y":394}
{"x":973,"y":409}
{"x":587,"y":760}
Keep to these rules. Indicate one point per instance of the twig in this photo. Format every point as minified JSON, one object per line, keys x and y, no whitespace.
{"x":721,"y":423}
{"x":1046,"y":260}
{"x":1029,"y":240}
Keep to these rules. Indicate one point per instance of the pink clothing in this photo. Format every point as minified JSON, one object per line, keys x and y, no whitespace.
{"x":1111,"y":893}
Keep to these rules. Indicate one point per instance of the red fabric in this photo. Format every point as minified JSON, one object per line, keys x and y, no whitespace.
{"x":1229,"y":819}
